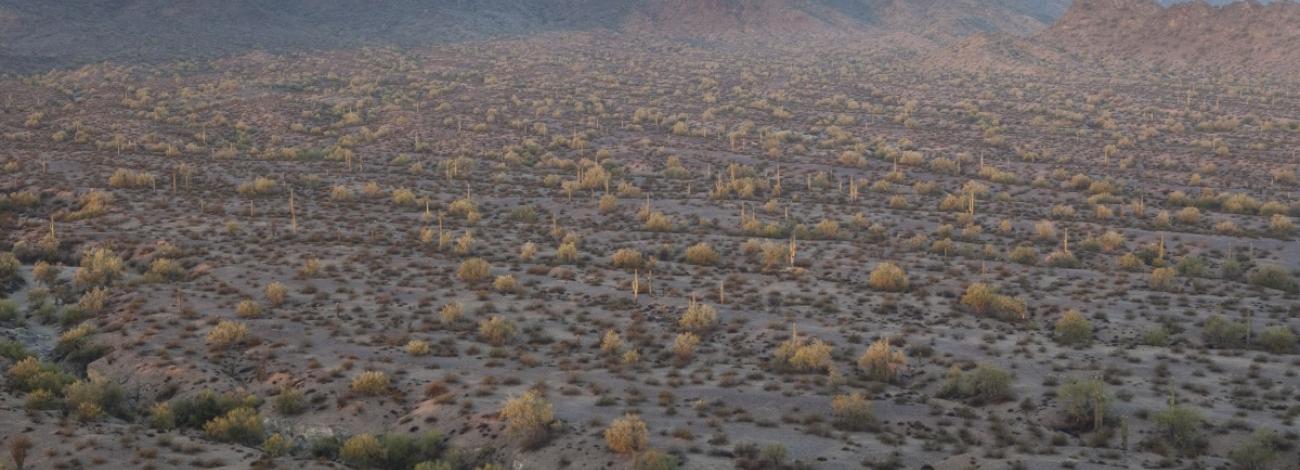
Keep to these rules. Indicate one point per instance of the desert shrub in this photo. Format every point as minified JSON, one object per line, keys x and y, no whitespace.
{"x":404,"y":451}
{"x":248,"y":309}
{"x":371,"y":382}
{"x":627,"y":435}
{"x":13,"y":350}
{"x":985,"y":384}
{"x":1085,"y":403}
{"x":290,"y":401}
{"x":276,"y":293}
{"x":684,"y":345}
{"x":611,"y":343}
{"x":1178,"y":427}
{"x":505,"y":283}
{"x":75,"y":346}
{"x":31,"y":374}
{"x":8,"y":269}
{"x":8,"y":311}
{"x":852,"y":412}
{"x":1162,"y":278}
{"x":982,"y":299}
{"x":1272,"y":277}
{"x":1257,"y":453}
{"x":362,"y":450}
{"x":528,"y":418}
{"x":1281,"y":225}
{"x":99,"y":267}
{"x":197,"y":411}
{"x":93,"y":301}
{"x":658,"y":222}
{"x":797,"y":354}
{"x":277,"y":445}
{"x":164,"y":270}
{"x":1191,"y":266}
{"x":654,"y":460}
{"x":889,"y":277}
{"x":567,"y":252}
{"x":627,"y":258}
{"x":91,"y":399}
{"x":473,"y":270}
{"x":451,"y":312}
{"x":701,"y":254}
{"x":1188,"y":215}
{"x":258,"y":187}
{"x":418,"y":347}
{"x":1278,"y":339}
{"x":496,"y":330}
{"x":1073,"y":329}
{"x":127,"y":179}
{"x":241,"y":425}
{"x":699,"y":318}
{"x":403,"y":197}
{"x":1156,"y":336}
{"x":226,"y":334}
{"x":161,"y":416}
{"x":1024,"y":254}
{"x":881,"y":362}
{"x":1220,"y":332}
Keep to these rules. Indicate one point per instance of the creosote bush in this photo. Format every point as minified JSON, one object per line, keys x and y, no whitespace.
{"x":798,"y":354}
{"x":226,"y":334}
{"x":699,"y":318}
{"x":982,"y":299}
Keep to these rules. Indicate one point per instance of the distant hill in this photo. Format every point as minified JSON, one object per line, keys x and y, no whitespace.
{"x":1097,"y":35}
{"x":36,"y":34}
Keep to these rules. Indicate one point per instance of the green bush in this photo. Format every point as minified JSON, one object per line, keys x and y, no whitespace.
{"x":1073,"y":329}
{"x":1085,"y":403}
{"x":207,"y":405}
{"x":1277,"y":339}
{"x":241,"y":425}
{"x":1273,"y":277}
{"x":403,"y":451}
{"x":654,"y":460}
{"x":1220,"y":332}
{"x":1257,"y":453}
{"x":1179,"y":427}
{"x":985,"y":384}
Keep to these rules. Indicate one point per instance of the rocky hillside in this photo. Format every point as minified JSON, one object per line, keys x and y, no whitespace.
{"x":1243,"y":36}
{"x":36,"y":34}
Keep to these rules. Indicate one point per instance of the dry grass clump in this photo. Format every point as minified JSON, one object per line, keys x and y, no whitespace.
{"x":276,"y":293}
